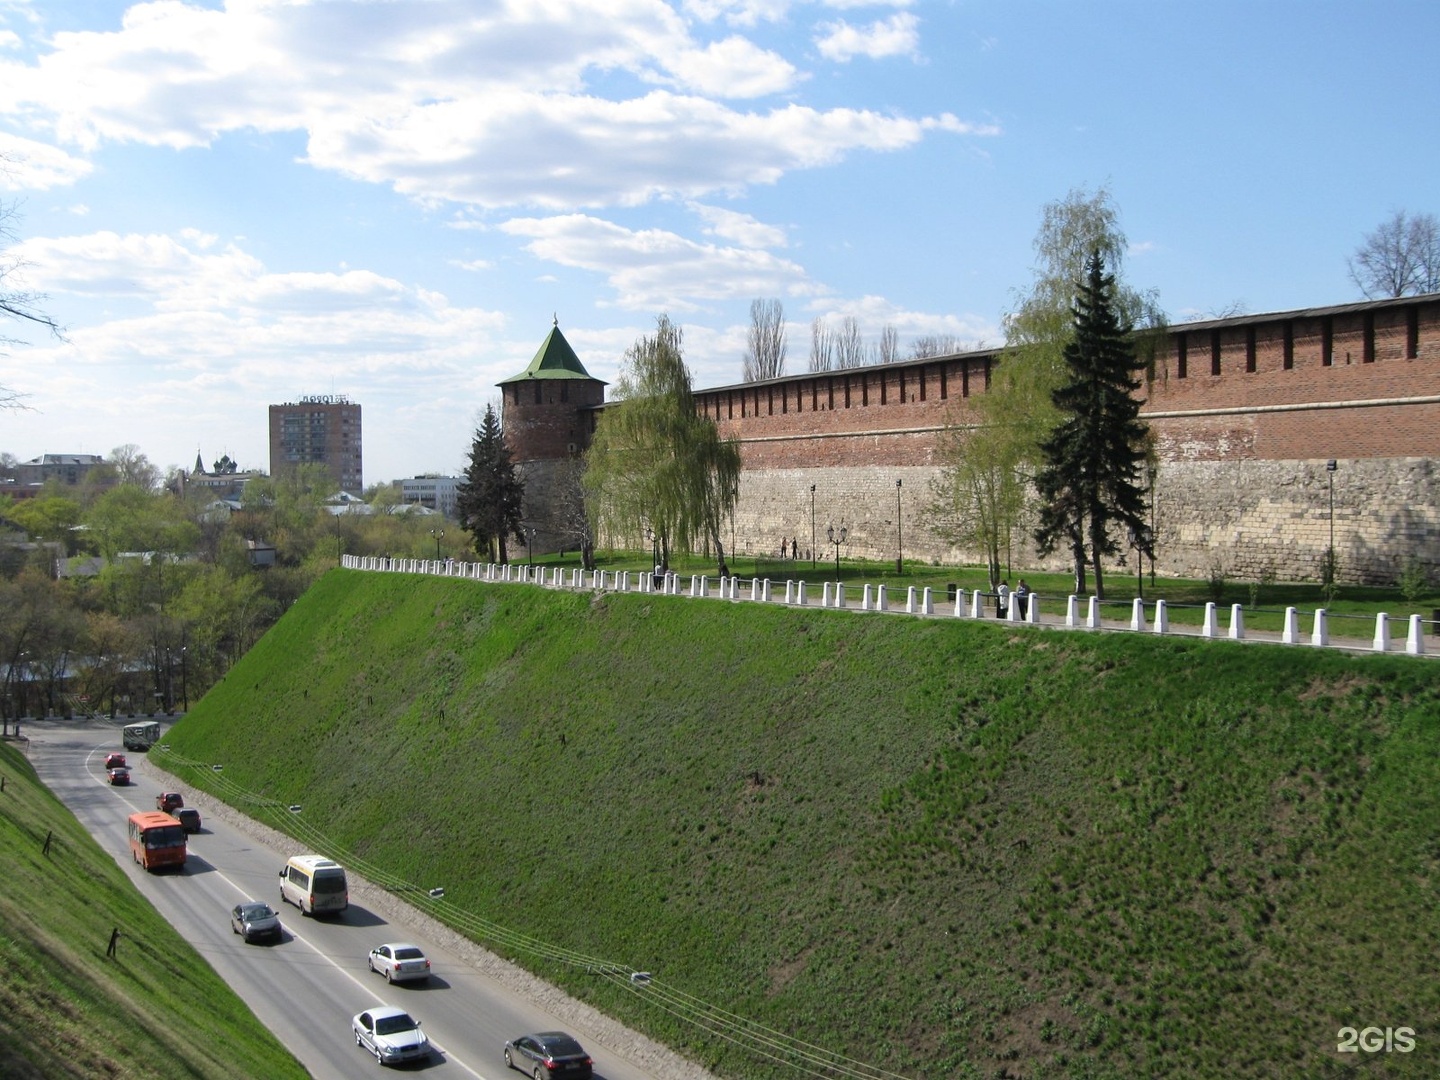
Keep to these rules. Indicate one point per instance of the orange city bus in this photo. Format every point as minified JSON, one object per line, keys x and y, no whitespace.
{"x":156,"y":840}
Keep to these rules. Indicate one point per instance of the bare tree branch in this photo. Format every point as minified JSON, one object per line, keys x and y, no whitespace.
{"x":765,"y":342}
{"x":1400,"y":258}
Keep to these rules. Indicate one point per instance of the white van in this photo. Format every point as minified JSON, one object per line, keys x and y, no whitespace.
{"x":314,"y":884}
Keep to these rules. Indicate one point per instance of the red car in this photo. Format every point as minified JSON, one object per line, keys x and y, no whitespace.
{"x":115,"y":761}
{"x":169,"y":801}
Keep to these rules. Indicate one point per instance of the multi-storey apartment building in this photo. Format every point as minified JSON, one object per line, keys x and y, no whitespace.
{"x":323,"y":430}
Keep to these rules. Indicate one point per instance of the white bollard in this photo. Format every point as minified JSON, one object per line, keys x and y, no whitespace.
{"x":959,"y":603}
{"x":1320,"y":636}
{"x":977,"y":607}
{"x":1092,"y":615}
{"x":910,"y":600}
{"x":1382,"y":632}
{"x":1012,"y":610}
{"x":839,"y":594}
{"x":789,"y":592}
{"x":800,"y":594}
{"x":882,"y":598}
{"x":765,"y":591}
{"x":825,"y":597}
{"x":865,"y":599}
{"x":927,"y":602}
{"x":1072,"y":610}
{"x":758,"y":591}
{"x":1162,"y":617}
{"x":1237,"y":622}
{"x":1137,"y":614}
{"x":1032,"y":610}
{"x":1290,"y":634}
{"x":1415,"y":639}
{"x":1210,"y":628}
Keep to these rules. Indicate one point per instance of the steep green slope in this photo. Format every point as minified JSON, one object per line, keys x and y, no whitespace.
{"x":947,"y":848}
{"x":154,"y":1009}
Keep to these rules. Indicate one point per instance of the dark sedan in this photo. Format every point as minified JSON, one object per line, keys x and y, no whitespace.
{"x":255,"y":920}
{"x":547,"y":1055}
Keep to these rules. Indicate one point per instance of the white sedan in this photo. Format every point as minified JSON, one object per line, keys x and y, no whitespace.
{"x":399,"y":962}
{"x":391,"y":1035}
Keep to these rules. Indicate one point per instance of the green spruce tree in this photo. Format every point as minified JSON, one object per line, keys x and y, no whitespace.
{"x":1091,"y":494}
{"x":489,"y":500}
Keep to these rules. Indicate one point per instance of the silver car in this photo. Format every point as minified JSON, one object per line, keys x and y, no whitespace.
{"x":399,"y":962}
{"x":255,"y":920}
{"x":390,"y":1034}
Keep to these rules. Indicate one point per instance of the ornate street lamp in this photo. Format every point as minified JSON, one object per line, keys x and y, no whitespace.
{"x":437,"y":534}
{"x":837,"y":538}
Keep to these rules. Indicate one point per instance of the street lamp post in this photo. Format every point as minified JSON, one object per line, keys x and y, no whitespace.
{"x":734,"y":499}
{"x":837,"y":538}
{"x":1330,"y":554}
{"x":813,"y":544}
{"x":530,"y":545}
{"x":437,"y":534}
{"x":899,"y":535}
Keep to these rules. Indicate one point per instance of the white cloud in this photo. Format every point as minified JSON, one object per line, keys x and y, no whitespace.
{"x":734,"y":68}
{"x":739,"y":228}
{"x":27,"y":165}
{"x":738,"y":12}
{"x":899,"y":35}
{"x":517,"y":103}
{"x":655,"y":270}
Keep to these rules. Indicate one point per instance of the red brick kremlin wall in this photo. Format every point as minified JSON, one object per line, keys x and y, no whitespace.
{"x":1247,"y":412}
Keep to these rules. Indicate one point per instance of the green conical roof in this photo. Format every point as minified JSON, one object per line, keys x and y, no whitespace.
{"x":555,"y":360}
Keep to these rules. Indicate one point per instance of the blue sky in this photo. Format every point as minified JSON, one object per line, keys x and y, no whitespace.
{"x":236,"y":204}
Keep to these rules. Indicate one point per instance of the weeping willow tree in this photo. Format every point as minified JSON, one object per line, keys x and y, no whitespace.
{"x":656,"y":468}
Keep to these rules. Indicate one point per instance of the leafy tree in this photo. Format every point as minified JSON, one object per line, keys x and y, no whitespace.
{"x":978,"y":493}
{"x":1089,"y":481}
{"x":490,"y":500}
{"x":765,"y":341}
{"x":48,"y":515}
{"x":655,"y":463}
{"x":1017,"y":413}
{"x":1032,"y":365}
{"x":1400,"y":258}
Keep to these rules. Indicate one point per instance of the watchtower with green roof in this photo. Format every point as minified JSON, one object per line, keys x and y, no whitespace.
{"x":548,"y":413}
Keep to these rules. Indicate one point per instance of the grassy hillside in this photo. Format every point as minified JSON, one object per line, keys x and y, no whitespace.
{"x":155,"y":1009}
{"x":950,"y":849}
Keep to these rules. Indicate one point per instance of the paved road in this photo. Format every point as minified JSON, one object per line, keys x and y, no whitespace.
{"x":306,"y":988}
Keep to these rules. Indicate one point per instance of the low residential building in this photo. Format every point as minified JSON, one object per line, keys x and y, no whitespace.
{"x":433,"y":491}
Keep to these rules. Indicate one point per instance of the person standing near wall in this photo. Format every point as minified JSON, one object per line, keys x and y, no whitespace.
{"x":1002,"y":599}
{"x":1022,"y":597}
